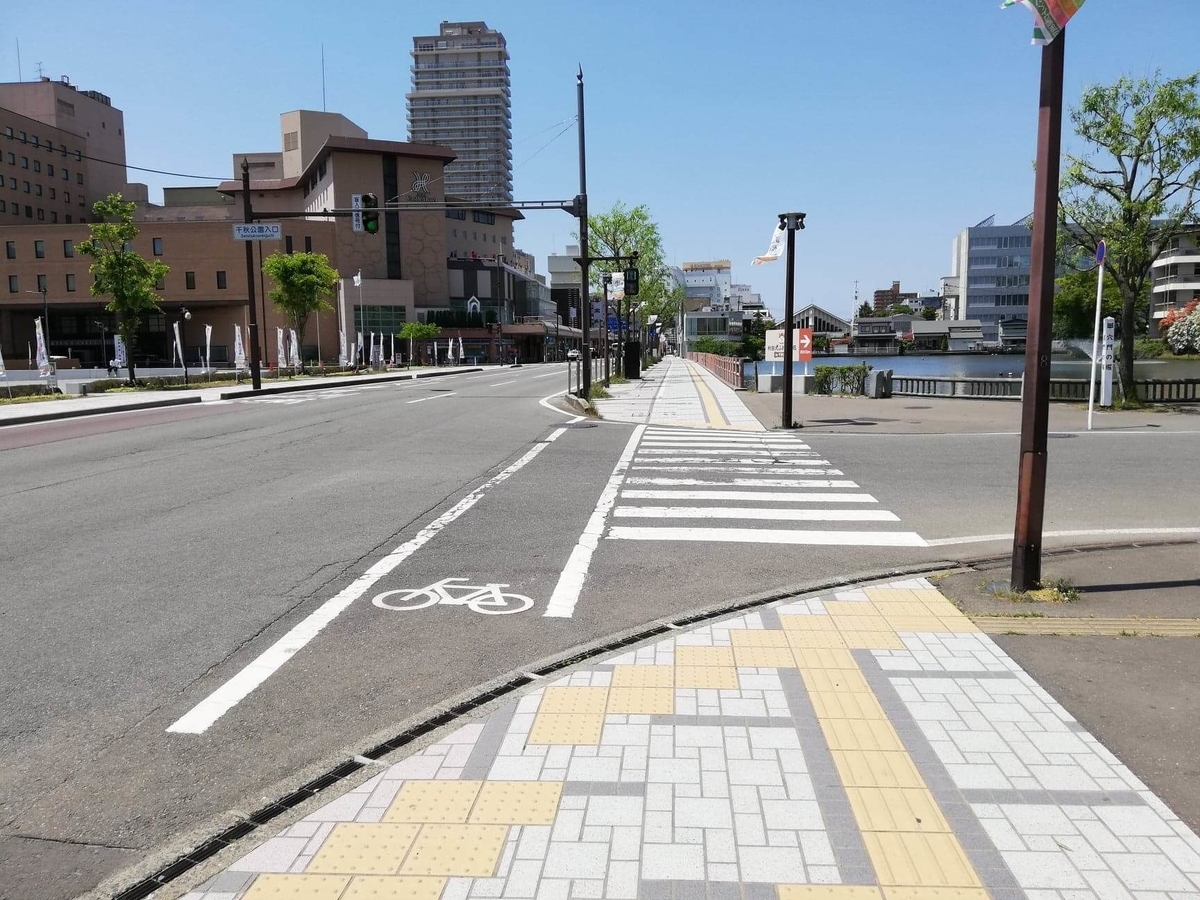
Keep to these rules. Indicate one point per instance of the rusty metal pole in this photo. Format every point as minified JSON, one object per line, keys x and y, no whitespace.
{"x":1035,"y":401}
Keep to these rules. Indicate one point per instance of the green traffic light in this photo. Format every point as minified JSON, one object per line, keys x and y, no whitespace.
{"x":371,"y":224}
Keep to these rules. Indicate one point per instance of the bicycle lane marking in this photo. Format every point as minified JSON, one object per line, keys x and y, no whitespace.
{"x":202,"y":716}
{"x":487,"y":599}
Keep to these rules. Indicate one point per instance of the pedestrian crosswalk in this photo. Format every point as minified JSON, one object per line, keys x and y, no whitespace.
{"x":712,"y":486}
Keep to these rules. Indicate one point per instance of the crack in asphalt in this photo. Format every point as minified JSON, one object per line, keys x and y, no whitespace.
{"x":68,"y":841}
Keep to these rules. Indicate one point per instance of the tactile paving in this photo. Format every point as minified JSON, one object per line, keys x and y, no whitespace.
{"x":896,"y":809}
{"x":836,"y":680}
{"x":861,"y":734}
{"x":643,"y":676}
{"x":717,"y":677}
{"x":935,"y":893}
{"x":567,"y":728}
{"x":642,"y":700}
{"x":517,"y":803}
{"x":394,"y":887}
{"x":828,"y":892}
{"x":917,"y":623}
{"x":355,"y":848}
{"x":810,"y":622}
{"x":462,"y":850}
{"x":829,"y":640}
{"x":702,"y":656}
{"x":871,"y":768}
{"x":885,"y":595}
{"x":927,"y":860}
{"x":838,"y":608}
{"x":574,"y":700}
{"x":433,"y":801}
{"x":765,"y":657}
{"x":846,"y":706}
{"x":753,"y":637}
{"x":297,"y":887}
{"x":902,"y":608}
{"x":825,"y":658}
{"x":872,"y":622}
{"x":873,"y":640}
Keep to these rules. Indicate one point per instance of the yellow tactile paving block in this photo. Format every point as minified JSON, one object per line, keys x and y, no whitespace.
{"x":574,"y":700}
{"x":643,"y":676}
{"x":836,"y":680}
{"x":838,"y":608}
{"x":959,"y":625}
{"x":935,"y":893}
{"x":918,"y":623}
{"x":846,"y":706}
{"x":874,"y":768}
{"x":297,"y":887}
{"x":929,"y":595}
{"x":827,"y":892}
{"x":517,"y":803}
{"x":861,"y":734}
{"x":866,"y":622}
{"x":896,"y":809}
{"x":889,"y":595}
{"x":817,"y":640}
{"x":433,"y":801}
{"x":872,"y":640}
{"x":753,"y":637}
{"x":902,"y":608}
{"x":462,"y":850}
{"x":646,"y":701}
{"x":394,"y":887}
{"x":355,"y":848}
{"x":825,"y":658}
{"x":765,"y":657}
{"x":926,"y":860}
{"x":567,"y":728}
{"x":713,"y":677}
{"x":807,"y":622}
{"x":702,"y":656}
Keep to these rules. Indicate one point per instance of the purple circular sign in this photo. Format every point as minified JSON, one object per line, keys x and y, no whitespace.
{"x":1100,"y":252}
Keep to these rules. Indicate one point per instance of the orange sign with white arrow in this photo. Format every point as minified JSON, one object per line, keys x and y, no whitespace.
{"x":804,"y":344}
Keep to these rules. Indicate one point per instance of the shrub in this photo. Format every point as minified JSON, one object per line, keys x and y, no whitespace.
{"x":824,"y":378}
{"x":843,"y":379}
{"x":1184,"y":335}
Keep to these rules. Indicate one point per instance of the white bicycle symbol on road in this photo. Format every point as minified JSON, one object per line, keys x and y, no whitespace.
{"x":481,"y":598}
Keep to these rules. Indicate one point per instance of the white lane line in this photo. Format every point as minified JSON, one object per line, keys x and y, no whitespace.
{"x":502,"y":383}
{"x":545,"y":402}
{"x":724,"y":445}
{"x":740,"y":461}
{"x":433,"y":397}
{"x":744,"y":482}
{"x":555,"y":435}
{"x":770,"y":536}
{"x":739,"y":470}
{"x":570,"y":582}
{"x":714,"y":451}
{"x":974,"y":434}
{"x":1080,"y":532}
{"x":550,"y":375}
{"x":736,"y":512}
{"x":237,"y":688}
{"x":761,"y":496}
{"x":724,"y":438}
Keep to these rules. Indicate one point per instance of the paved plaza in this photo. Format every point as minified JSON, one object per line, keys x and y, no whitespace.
{"x":678,"y":392}
{"x":863,"y":743}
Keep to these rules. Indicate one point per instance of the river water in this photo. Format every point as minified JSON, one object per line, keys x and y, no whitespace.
{"x":986,"y":366}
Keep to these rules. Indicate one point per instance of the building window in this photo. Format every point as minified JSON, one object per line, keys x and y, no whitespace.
{"x":8,"y":131}
{"x":21,"y":136}
{"x":37,"y":165}
{"x":50,"y":146}
{"x":53,"y":194}
{"x":10,"y":249}
{"x":79,"y":156}
{"x":70,"y":283}
{"x":3,"y":206}
{"x":160,"y":285}
{"x":13,"y":285}
{"x":53,"y":217}
{"x":79,"y":178}
{"x":291,"y":141}
{"x":28,"y":211}
{"x":385,"y":319}
{"x":12,"y":159}
{"x":39,"y":249}
{"x":68,"y":218}
{"x":220,"y":279}
{"x":41,"y":279}
{"x":12,"y":184}
{"x":66,"y":174}
{"x":287,"y":244}
{"x":41,"y":214}
{"x":308,"y":243}
{"x":456,"y":214}
{"x":35,"y":140}
{"x":157,"y":244}
{"x":484,"y":218}
{"x":66,"y":196}
{"x":189,"y":280}
{"x":50,"y":170}
{"x":24,"y":162}
{"x":37,"y":190}
{"x":25,"y":186}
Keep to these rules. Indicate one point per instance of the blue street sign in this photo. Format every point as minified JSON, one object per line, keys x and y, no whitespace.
{"x":1100,"y":253}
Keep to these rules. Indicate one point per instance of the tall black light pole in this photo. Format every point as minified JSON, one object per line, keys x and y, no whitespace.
{"x":793,"y":222}
{"x":585,"y":249}
{"x":184,"y":316}
{"x":604,"y":315}
{"x":255,"y":357}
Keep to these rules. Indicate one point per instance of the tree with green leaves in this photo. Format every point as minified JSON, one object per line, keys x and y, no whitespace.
{"x":865,"y":311}
{"x":418,"y":331}
{"x":1075,"y":303}
{"x":302,"y":282}
{"x":621,"y":232}
{"x":929,"y":314}
{"x":122,"y":275}
{"x":1135,"y":183}
{"x":899,"y":309}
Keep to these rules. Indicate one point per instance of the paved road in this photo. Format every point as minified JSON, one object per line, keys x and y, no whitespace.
{"x":159,"y":554}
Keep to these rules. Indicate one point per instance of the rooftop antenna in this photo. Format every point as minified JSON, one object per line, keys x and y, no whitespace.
{"x":39,"y":71}
{"x":323,"y":109}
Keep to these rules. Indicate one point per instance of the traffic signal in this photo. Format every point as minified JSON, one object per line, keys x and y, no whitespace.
{"x":631,"y":282}
{"x":370,"y":217}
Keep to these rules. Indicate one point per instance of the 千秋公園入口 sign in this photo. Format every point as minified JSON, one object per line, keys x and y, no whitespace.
{"x":257,"y":231}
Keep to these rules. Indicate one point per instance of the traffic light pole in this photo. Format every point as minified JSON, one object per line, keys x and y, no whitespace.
{"x":793,"y":222}
{"x":585,"y":262}
{"x":255,"y":358}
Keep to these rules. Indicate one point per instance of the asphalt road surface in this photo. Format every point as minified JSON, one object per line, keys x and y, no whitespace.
{"x":150,"y":558}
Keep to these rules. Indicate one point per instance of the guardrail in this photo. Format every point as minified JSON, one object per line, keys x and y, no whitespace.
{"x":727,"y":368}
{"x":1072,"y":390}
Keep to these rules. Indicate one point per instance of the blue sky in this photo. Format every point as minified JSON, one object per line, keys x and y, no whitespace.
{"x":892,"y":124}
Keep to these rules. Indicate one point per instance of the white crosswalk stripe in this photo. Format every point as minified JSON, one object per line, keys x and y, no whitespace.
{"x":707,"y":486}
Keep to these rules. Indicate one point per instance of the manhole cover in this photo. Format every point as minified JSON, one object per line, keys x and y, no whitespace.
{"x":918,"y":407}
{"x":580,"y":425}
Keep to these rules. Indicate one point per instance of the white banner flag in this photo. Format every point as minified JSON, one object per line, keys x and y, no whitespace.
{"x":460,"y":349}
{"x":358,"y":355}
{"x":342,"y":359}
{"x":208,"y":347}
{"x":179,"y":344}
{"x":119,"y":360}
{"x":280,"y":350}
{"x":774,"y":250}
{"x":358,"y":278}
{"x":295,"y":349}
{"x":393,"y":349}
{"x":239,"y":350}
{"x":616,"y":290}
{"x":2,"y":372}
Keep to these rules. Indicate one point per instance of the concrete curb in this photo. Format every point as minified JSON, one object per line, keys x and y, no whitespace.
{"x":77,"y":413}
{"x":583,"y":406}
{"x":314,"y":384}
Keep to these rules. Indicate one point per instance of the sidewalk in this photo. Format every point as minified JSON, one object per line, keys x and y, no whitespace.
{"x":95,"y":404}
{"x":865,"y":743}
{"x":677,"y":392}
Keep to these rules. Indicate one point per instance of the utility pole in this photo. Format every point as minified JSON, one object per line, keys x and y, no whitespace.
{"x":1035,"y":402}
{"x":585,"y":249}
{"x":793,"y":222}
{"x":607,"y":373}
{"x":255,"y":359}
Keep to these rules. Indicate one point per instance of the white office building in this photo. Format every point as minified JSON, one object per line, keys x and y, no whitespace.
{"x":990,"y":265}
{"x":710,"y":282}
{"x":461,"y":98}
{"x":1176,"y":275}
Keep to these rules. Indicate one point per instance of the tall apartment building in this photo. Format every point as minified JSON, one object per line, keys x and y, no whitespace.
{"x":991,"y":266}
{"x":891,"y":296}
{"x":461,"y":98}
{"x":708,"y":282}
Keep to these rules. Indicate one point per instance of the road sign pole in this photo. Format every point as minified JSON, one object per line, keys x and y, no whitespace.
{"x":1101,"y":253}
{"x":248,"y":213}
{"x":788,"y":325}
{"x":585,"y":250}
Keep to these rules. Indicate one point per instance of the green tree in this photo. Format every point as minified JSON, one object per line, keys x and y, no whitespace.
{"x":1075,"y":303}
{"x":418,"y":331}
{"x":620,"y":232}
{"x":865,"y":310}
{"x":898,"y":309}
{"x":929,"y":314}
{"x":1135,"y":183}
{"x":124,"y":276}
{"x":302,"y":282}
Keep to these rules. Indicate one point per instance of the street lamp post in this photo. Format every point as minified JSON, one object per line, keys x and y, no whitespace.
{"x":45,"y":317}
{"x":607,"y":374}
{"x":99,"y":323}
{"x":185,"y":316}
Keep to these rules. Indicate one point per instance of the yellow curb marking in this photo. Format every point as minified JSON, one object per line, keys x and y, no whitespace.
{"x":1088,"y":626}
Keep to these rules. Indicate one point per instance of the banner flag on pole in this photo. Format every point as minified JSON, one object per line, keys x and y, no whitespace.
{"x":342,"y":348}
{"x":358,"y":278}
{"x":119,"y":360}
{"x":280,"y":350}
{"x":774,"y":249}
{"x":460,"y":348}
{"x":1050,"y":17}
{"x":179,"y":343}
{"x":239,"y":350}
{"x":2,"y":372}
{"x":208,"y":347}
{"x":296,"y":364}
{"x":43,"y":359}
{"x":393,"y":349}
{"x":359,"y":352}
